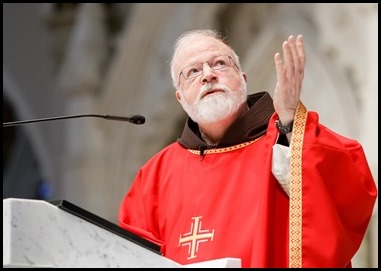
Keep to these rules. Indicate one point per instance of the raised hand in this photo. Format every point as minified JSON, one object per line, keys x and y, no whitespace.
{"x":290,"y":73}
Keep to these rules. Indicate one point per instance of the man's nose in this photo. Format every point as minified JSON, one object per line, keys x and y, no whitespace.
{"x":208,"y":74}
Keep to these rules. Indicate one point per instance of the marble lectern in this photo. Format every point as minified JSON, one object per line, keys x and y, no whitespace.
{"x":38,"y":233}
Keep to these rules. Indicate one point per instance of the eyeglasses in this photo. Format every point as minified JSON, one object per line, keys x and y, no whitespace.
{"x":217,"y":63}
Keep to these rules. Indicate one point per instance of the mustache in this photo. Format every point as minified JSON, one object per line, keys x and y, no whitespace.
{"x":205,"y":89}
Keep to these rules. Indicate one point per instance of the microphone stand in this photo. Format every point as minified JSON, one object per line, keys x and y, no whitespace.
{"x":136,"y":119}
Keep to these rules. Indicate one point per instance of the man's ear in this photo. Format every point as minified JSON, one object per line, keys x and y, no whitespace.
{"x":244,"y":76}
{"x":178,"y":95}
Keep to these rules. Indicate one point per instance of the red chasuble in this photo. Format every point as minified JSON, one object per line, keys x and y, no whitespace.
{"x":227,"y":203}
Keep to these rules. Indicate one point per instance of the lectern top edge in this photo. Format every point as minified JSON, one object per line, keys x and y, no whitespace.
{"x":105,"y":224}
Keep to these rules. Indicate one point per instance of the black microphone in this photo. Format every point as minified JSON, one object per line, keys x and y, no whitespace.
{"x":135,"y":119}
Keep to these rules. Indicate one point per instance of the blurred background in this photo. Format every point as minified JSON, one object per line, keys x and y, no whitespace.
{"x":113,"y":58}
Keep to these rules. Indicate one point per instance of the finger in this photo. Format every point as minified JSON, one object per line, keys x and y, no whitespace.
{"x":279,"y":67}
{"x":294,"y":55}
{"x":301,"y":50}
{"x":288,"y":62}
{"x":302,"y":60}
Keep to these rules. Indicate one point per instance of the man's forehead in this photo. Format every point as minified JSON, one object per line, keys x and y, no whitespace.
{"x":200,"y":49}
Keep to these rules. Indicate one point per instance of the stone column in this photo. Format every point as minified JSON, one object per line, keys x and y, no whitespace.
{"x":80,"y":78}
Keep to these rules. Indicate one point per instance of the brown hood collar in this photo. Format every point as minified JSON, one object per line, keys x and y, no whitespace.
{"x":248,"y":127}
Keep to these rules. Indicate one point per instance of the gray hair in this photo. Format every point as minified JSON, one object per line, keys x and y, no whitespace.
{"x":185,"y":37}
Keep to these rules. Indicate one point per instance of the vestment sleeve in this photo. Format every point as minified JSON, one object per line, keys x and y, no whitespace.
{"x":332,"y":195}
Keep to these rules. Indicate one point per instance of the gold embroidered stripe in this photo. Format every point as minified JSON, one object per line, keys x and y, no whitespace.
{"x":227,"y":149}
{"x":295,"y":227}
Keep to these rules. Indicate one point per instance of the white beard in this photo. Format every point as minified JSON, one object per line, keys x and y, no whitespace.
{"x":217,"y":106}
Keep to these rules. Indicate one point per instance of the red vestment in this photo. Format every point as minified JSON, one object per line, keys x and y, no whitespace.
{"x":227,"y":203}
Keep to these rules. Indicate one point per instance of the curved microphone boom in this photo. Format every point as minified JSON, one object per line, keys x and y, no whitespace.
{"x":135,"y":119}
